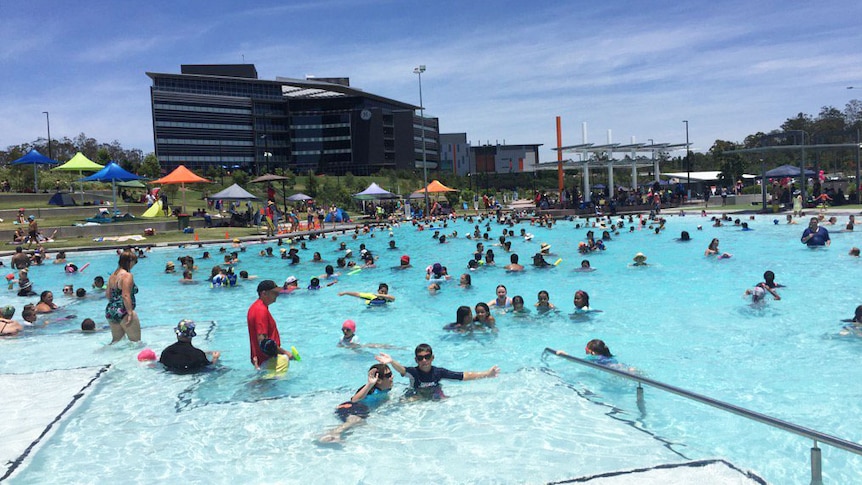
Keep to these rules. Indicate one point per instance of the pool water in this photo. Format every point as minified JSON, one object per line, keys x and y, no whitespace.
{"x":681,"y":320}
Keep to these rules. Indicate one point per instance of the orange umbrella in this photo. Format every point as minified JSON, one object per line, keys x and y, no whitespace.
{"x":181,"y":175}
{"x":436,"y":187}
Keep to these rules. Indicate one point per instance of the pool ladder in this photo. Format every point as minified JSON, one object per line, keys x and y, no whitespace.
{"x":815,"y":436}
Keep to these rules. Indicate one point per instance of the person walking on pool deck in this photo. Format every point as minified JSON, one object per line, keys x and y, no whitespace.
{"x":425,"y":378}
{"x":120,"y":310}
{"x":264,"y":340}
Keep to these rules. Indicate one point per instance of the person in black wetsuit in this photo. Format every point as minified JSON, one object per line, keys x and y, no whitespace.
{"x":182,"y":356}
{"x":425,"y":378}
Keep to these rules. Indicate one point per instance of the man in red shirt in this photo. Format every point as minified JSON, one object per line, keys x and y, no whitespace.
{"x":264,"y":340}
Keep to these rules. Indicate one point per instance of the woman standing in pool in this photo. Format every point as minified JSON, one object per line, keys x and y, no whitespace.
{"x":120,"y":311}
{"x":502,"y":300}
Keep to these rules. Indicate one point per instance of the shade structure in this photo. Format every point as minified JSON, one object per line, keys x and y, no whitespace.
{"x":375,"y":192}
{"x":112,"y":173}
{"x":436,"y":187}
{"x":80,"y":163}
{"x":181,"y":175}
{"x":272,"y":178}
{"x":33,"y":157}
{"x":786,"y":171}
{"x":298,"y":197}
{"x":234,"y":192}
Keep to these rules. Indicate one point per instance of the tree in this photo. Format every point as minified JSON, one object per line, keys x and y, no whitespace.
{"x":150,"y":167}
{"x":311,"y":185}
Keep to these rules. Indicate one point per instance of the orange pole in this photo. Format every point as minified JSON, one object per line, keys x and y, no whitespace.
{"x":560,"y":155}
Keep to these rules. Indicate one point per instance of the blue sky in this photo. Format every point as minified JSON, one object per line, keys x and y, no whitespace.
{"x":496,"y":70}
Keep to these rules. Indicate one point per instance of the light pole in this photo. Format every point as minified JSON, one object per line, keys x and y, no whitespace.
{"x":419,"y":70}
{"x":687,"y":159}
{"x":48,"y":120}
{"x":858,"y":148}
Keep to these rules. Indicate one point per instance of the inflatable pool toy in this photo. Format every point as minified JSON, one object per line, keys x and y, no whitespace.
{"x":82,"y":268}
{"x":354,"y":271}
{"x":295,"y":354}
{"x":557,"y":262}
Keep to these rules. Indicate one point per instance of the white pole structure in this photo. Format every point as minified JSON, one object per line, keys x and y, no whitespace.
{"x":610,"y":164}
{"x":634,"y":165}
{"x":419,"y":70}
{"x":587,"y":196}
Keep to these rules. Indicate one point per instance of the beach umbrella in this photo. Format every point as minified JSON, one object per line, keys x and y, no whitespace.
{"x":298,"y":197}
{"x":181,"y":175}
{"x":80,"y":163}
{"x":271,"y":178}
{"x":112,"y":173}
{"x":35,"y":158}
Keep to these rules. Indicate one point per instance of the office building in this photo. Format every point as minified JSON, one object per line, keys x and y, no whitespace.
{"x":225,"y":116}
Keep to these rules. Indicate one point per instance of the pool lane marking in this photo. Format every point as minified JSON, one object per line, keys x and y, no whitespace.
{"x":75,"y":399}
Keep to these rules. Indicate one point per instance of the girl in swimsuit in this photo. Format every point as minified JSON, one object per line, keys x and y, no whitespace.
{"x":120,"y":310}
{"x":502,"y":300}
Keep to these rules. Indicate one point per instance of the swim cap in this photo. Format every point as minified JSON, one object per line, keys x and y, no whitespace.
{"x":146,"y":355}
{"x":10,"y":277}
{"x":7,"y":311}
{"x":186,"y":328}
{"x":349,"y":324}
{"x":405,"y":259}
{"x":290,"y":279}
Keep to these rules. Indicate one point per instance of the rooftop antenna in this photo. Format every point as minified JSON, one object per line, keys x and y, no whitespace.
{"x":243,"y":58}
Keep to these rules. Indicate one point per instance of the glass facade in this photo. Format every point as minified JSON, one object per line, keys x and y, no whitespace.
{"x":204,"y":119}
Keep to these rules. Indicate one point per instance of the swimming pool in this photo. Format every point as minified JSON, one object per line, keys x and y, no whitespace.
{"x":681,"y":320}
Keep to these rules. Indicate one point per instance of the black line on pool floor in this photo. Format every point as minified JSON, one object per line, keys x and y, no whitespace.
{"x":75,"y":398}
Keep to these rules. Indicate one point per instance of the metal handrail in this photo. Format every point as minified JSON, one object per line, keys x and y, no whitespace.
{"x":815,"y":435}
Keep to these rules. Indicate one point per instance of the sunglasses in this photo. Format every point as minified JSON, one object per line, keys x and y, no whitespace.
{"x":345,"y":330}
{"x":422,"y":357}
{"x":386,"y":376}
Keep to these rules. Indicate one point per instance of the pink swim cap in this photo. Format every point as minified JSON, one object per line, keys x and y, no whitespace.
{"x":349,"y":324}
{"x":146,"y":355}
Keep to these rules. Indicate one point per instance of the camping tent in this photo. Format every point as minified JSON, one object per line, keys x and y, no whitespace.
{"x":234,"y":192}
{"x":80,"y":163}
{"x":181,"y":175}
{"x":62,"y":199}
{"x":112,"y":173}
{"x":34,"y":158}
{"x":374,"y":192}
{"x":338,"y":216}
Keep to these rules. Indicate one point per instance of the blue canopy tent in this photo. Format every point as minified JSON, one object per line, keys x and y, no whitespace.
{"x":786,"y":171}
{"x":35,"y":158}
{"x":112,"y":173}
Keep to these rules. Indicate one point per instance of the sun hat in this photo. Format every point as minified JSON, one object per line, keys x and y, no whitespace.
{"x":545,"y":247}
{"x":290,"y":279}
{"x":266,"y":285}
{"x":282,"y":250}
{"x":349,"y":324}
{"x":405,"y":259}
{"x":640,"y":257}
{"x":186,"y":328}
{"x":236,"y":240}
